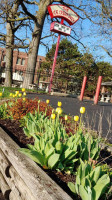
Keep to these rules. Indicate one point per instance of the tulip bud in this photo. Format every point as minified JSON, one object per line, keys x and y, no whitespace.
{"x":0,"y":94}
{"x":76,"y":118}
{"x":60,"y":111}
{"x":59,"y":103}
{"x":24,"y":93}
{"x":82,"y":110}
{"x":23,"y":89}
{"x":47,"y":101}
{"x":66,"y":117}
{"x":53,"y":116}
{"x":20,"y":95}
{"x":11,"y":94}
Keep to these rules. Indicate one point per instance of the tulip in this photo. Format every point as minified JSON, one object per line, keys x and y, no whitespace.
{"x":60,"y":111}
{"x":57,"y":109}
{"x":24,"y":93}
{"x":66,"y":117}
{"x":24,"y":99}
{"x":23,"y":89}
{"x":11,"y":94}
{"x":82,"y":110}
{"x":38,"y":101}
{"x":0,"y":94}
{"x":47,"y":101}
{"x":76,"y":118}
{"x":53,"y":116}
{"x":17,"y":92}
{"x":59,"y":103}
{"x":20,"y":95}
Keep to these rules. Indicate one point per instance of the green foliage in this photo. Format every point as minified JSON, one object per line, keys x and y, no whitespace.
{"x":88,"y":147}
{"x":34,"y":123}
{"x":53,"y":150}
{"x":91,"y":183}
{"x":4,"y":114}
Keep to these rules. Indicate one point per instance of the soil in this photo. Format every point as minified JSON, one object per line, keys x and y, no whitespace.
{"x":13,"y":129}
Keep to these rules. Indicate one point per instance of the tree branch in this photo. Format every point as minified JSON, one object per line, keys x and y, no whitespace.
{"x":106,"y":50}
{"x":27,"y":12}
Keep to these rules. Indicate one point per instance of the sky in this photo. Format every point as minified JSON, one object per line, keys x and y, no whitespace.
{"x":88,"y":33}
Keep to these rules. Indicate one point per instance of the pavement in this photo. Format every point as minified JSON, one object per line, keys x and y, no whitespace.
{"x":97,"y":117}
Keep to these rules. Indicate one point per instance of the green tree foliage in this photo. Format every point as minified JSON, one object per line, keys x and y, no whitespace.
{"x":72,"y":66}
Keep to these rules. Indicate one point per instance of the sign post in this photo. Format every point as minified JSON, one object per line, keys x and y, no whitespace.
{"x":65,"y":13}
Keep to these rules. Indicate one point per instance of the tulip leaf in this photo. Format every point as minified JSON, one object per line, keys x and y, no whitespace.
{"x":72,"y":187}
{"x":34,"y":155}
{"x":53,"y":160}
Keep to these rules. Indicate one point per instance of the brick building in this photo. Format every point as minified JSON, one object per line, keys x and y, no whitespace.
{"x":20,"y":60}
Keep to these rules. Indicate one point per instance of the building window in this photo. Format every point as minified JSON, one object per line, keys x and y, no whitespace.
{"x":23,"y":61}
{"x":18,"y":61}
{"x":4,"y":58}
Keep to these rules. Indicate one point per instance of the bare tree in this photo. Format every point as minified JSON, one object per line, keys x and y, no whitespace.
{"x":9,"y":15}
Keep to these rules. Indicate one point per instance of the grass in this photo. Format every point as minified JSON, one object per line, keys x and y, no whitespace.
{"x":7,"y":90}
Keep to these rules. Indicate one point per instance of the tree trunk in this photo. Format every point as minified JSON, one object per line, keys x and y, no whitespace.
{"x":9,"y":56}
{"x":34,"y":45}
{"x":10,"y":44}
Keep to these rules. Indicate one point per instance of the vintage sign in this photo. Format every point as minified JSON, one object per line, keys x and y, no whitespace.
{"x":61,"y":11}
{"x":60,"y":28}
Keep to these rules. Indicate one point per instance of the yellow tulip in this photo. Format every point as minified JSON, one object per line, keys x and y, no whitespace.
{"x":24,"y":93}
{"x":24,"y":99}
{"x":0,"y":94}
{"x":66,"y":117}
{"x":59,"y":103}
{"x":57,"y":109}
{"x":11,"y":94}
{"x":20,"y":95}
{"x":23,"y":89}
{"x":47,"y":101}
{"x":60,"y":111}
{"x":82,"y":110}
{"x":38,"y":101}
{"x":17,"y":92}
{"x":76,"y":118}
{"x":53,"y":116}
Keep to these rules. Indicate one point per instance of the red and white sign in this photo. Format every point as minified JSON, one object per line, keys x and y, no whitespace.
{"x":60,"y":28}
{"x":61,"y":11}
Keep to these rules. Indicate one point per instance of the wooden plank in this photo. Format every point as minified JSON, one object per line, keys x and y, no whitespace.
{"x":15,"y":195}
{"x":4,"y":187}
{"x":38,"y":182}
{"x":21,"y":186}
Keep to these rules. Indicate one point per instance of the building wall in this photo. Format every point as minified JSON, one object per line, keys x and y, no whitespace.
{"x":20,"y":60}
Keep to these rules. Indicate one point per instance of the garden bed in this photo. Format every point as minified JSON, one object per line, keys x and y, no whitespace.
{"x":16,"y":164}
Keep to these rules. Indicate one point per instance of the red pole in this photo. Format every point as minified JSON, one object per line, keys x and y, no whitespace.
{"x":55,"y":57}
{"x":83,"y":88}
{"x":98,"y":89}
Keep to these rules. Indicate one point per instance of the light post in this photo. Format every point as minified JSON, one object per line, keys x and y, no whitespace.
{"x":65,"y":13}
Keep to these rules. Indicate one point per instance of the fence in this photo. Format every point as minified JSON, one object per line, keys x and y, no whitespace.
{"x":41,"y":80}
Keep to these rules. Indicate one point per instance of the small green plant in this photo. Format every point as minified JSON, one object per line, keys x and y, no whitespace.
{"x":53,"y":150}
{"x":4,"y":114}
{"x":88,"y":147}
{"x":91,"y":183}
